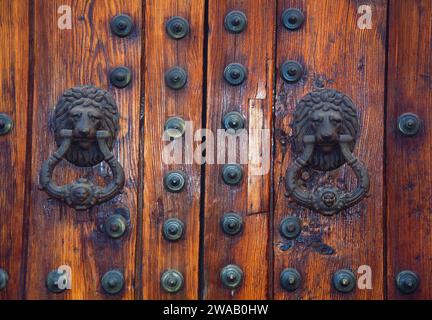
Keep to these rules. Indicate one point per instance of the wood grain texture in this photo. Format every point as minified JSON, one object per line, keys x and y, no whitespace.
{"x":59,"y":235}
{"x":409,"y":159}
{"x":161,"y":102}
{"x":14,"y":68}
{"x":336,"y":54}
{"x":254,"y":48}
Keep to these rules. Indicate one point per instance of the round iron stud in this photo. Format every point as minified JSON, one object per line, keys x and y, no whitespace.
{"x":115,"y":226}
{"x":120,"y":77}
{"x":175,"y":181}
{"x":235,"y":74}
{"x":233,"y":121}
{"x":172,"y":281}
{"x":409,"y":124}
{"x":121,"y":25}
{"x":291,"y":71}
{"x":407,"y":281}
{"x":290,"y":227}
{"x":231,"y":223}
{"x":344,"y":281}
{"x":6,"y":124}
{"x":175,"y":127}
{"x":112,"y":282}
{"x":176,"y":78}
{"x":292,"y":19}
{"x":4,"y":278}
{"x":177,"y":27}
{"x":232,"y":174}
{"x":53,"y":282}
{"x":235,"y":21}
{"x":173,"y":229}
{"x":231,"y":276}
{"x":290,"y":279}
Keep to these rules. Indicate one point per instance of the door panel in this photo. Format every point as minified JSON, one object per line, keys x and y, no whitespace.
{"x":353,"y":237}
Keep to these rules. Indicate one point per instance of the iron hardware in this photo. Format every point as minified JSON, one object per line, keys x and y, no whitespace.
{"x":116,"y":225}
{"x":4,"y":278}
{"x":231,"y":276}
{"x":53,"y":281}
{"x":177,"y":27}
{"x":120,"y":77}
{"x":344,"y":281}
{"x":233,"y":121}
{"x":231,"y":223}
{"x":235,"y":21}
{"x":175,"y":127}
{"x":291,"y":71}
{"x":235,"y":74}
{"x":232,"y":174}
{"x":325,"y":128}
{"x":6,"y":124}
{"x":407,"y":281}
{"x":86,"y":125}
{"x":409,"y":124}
{"x":175,"y":181}
{"x":172,"y":281}
{"x":176,"y":78}
{"x":290,"y":227}
{"x":121,"y":25}
{"x":112,"y":282}
{"x":290,"y":279}
{"x":173,"y":229}
{"x":292,"y":19}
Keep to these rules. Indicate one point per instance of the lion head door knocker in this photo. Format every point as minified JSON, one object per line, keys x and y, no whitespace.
{"x":86,"y":126}
{"x":325,"y":129}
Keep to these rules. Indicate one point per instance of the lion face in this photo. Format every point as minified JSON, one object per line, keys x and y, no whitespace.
{"x":86,"y":122}
{"x":327,"y":124}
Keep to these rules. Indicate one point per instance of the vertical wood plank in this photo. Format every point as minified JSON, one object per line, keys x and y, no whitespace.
{"x":251,"y":199}
{"x":14,"y":68}
{"x":409,"y":187}
{"x":66,"y":58}
{"x":335,"y":54}
{"x":163,"y":53}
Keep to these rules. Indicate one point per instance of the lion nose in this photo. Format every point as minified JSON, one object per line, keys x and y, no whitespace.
{"x":326,"y":136}
{"x":84,"y":132}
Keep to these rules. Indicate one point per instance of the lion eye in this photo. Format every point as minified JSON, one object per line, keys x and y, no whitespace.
{"x":93,"y":117}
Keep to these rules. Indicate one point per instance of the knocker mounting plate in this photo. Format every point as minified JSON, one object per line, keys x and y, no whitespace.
{"x":325,"y":129}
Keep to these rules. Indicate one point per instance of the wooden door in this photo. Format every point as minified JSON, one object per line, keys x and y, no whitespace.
{"x":199,"y":68}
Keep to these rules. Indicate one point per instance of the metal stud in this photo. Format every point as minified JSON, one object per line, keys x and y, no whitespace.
{"x":120,"y":77}
{"x":407,"y":281}
{"x":173,"y":229}
{"x":121,"y":25}
{"x":235,"y":21}
{"x":175,"y":127}
{"x":112,"y":282}
{"x":290,"y":279}
{"x":232,"y":174}
{"x":177,"y":27}
{"x":175,"y":181}
{"x":291,"y":71}
{"x":409,"y":124}
{"x":172,"y":281}
{"x":6,"y":124}
{"x":290,"y":227}
{"x":176,"y":78}
{"x":53,"y":282}
{"x":4,"y":278}
{"x":235,"y":74}
{"x":231,"y":276}
{"x":115,"y":226}
{"x":233,"y":121}
{"x":344,"y":281}
{"x":231,"y":223}
{"x":292,"y":19}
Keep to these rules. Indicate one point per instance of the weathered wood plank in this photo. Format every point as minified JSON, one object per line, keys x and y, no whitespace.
{"x":335,"y":54}
{"x":409,"y":186}
{"x":66,"y":58}
{"x":14,"y":68}
{"x":163,"y":53}
{"x":251,"y":199}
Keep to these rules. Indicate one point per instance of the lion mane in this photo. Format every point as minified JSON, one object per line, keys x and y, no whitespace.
{"x":86,"y":96}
